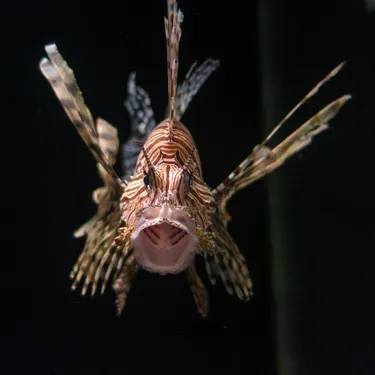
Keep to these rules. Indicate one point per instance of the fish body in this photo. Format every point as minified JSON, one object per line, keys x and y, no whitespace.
{"x":161,"y":213}
{"x":166,"y":200}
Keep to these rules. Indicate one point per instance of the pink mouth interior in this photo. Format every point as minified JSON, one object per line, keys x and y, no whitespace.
{"x":164,"y":235}
{"x":164,"y":248}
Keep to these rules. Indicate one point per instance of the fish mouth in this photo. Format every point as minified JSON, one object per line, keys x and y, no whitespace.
{"x":164,"y":241}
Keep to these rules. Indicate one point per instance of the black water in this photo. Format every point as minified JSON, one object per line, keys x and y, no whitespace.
{"x":318,"y":212}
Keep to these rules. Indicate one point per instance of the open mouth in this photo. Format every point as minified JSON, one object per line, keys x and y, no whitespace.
{"x":164,"y":247}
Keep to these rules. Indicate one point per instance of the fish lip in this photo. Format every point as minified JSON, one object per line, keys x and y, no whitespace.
{"x":168,"y":270}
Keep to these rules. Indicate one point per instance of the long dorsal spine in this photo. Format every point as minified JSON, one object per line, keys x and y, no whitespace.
{"x":173,"y":35}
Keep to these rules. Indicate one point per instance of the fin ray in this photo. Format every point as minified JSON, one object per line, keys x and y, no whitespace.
{"x":228,"y":263}
{"x":263,"y":160}
{"x":123,"y":282}
{"x":173,"y":35}
{"x":199,"y":290}
{"x":62,"y":80}
{"x":194,"y":80}
{"x":138,"y":105}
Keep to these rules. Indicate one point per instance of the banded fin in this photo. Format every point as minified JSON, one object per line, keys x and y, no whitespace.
{"x":194,"y":80}
{"x":109,"y":144}
{"x":263,"y":160}
{"x":199,"y":290}
{"x":101,"y":254}
{"x":63,"y":82}
{"x":138,"y":105}
{"x":123,"y":282}
{"x":173,"y":35}
{"x":227,"y":262}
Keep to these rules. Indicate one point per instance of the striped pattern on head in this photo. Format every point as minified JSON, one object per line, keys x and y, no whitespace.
{"x":166,"y":203}
{"x":174,"y":176}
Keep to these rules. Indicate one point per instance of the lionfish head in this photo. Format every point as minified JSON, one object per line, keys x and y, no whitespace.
{"x":168,"y":208}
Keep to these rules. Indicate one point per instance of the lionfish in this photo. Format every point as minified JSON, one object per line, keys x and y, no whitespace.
{"x":162,"y":213}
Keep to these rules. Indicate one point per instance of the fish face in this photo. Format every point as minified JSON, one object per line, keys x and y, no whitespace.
{"x":167,"y":204}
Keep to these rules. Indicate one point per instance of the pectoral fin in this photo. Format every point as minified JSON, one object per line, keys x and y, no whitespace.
{"x":263,"y":160}
{"x":199,"y":291}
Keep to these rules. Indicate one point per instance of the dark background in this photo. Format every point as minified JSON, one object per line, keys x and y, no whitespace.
{"x":306,"y":231}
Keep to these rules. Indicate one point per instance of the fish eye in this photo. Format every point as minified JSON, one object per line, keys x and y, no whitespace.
{"x":146,"y":181}
{"x":187,"y":180}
